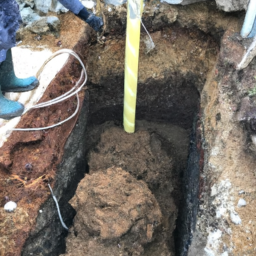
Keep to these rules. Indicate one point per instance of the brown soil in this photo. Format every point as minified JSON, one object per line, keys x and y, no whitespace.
{"x":28,"y":160}
{"x":71,"y":31}
{"x":185,"y":46}
{"x":128,"y":203}
{"x":231,"y":151}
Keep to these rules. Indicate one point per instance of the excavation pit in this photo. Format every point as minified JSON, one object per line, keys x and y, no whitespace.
{"x":164,"y":153}
{"x":171,"y":78}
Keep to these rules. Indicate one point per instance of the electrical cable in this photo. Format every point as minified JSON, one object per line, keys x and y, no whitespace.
{"x":65,"y":96}
{"x":58,"y":208}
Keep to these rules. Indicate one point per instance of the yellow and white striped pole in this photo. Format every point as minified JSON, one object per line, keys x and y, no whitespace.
{"x":134,"y":12}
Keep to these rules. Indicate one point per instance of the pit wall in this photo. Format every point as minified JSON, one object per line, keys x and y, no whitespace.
{"x":225,"y":226}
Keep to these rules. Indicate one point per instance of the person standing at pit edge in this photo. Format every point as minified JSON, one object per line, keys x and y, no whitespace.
{"x":10,"y":20}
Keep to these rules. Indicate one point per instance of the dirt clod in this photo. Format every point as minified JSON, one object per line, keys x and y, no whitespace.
{"x":113,"y":206}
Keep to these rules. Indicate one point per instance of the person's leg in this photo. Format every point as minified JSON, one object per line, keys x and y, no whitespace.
{"x":74,"y":6}
{"x":8,"y":80}
{"x":80,"y":11}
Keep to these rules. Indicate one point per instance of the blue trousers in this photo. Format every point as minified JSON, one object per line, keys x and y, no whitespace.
{"x":10,"y":20}
{"x":74,"y":6}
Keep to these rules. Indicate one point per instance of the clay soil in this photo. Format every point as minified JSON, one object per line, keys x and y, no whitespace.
{"x":128,"y":203}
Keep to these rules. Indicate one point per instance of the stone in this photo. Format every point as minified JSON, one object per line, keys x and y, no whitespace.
{"x":234,"y":217}
{"x":232,"y":5}
{"x":43,"y":6}
{"x":10,"y":206}
{"x":29,"y":3}
{"x":241,"y":202}
{"x":49,"y":5}
{"x":57,"y":7}
{"x":28,"y":15}
{"x":44,"y":25}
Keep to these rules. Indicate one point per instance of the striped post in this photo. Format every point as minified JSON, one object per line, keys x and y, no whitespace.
{"x":134,"y":12}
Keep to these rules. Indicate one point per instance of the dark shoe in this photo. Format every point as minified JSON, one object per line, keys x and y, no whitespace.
{"x":9,"y":81}
{"x":9,"y":109}
{"x":95,"y":22}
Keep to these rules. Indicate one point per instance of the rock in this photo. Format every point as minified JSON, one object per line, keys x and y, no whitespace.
{"x":44,"y":25}
{"x":49,"y":5}
{"x":56,"y":6}
{"x":21,"y":5}
{"x":10,"y":206}
{"x":28,"y":15}
{"x":29,"y":3}
{"x":111,"y":205}
{"x":53,"y":22}
{"x":235,"y":218}
{"x":241,"y":202}
{"x":43,"y":6}
{"x":232,"y":5}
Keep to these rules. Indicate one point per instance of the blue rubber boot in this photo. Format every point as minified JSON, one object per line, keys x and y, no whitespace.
{"x":9,"y":81}
{"x":8,"y":108}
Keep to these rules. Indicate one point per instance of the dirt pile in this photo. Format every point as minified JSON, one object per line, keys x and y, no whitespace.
{"x":115,"y":214}
{"x":128,"y":204}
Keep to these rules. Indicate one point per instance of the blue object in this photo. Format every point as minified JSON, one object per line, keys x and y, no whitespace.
{"x":74,"y":6}
{"x":249,"y":26}
{"x":8,"y":80}
{"x":253,"y":31}
{"x":95,"y":22}
{"x":8,"y":108}
{"x":10,"y":20}
{"x":79,"y":10}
